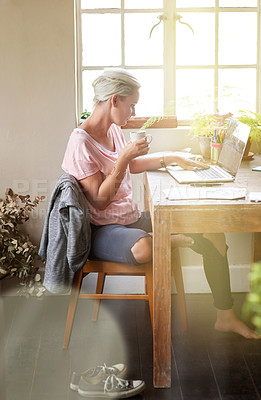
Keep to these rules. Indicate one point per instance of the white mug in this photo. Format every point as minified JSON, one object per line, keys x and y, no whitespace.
{"x":139,"y":135}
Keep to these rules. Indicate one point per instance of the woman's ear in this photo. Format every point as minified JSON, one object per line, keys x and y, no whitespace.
{"x":114,"y":99}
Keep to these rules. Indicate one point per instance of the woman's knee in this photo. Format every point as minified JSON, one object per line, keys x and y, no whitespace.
{"x":218,"y":240}
{"x":142,"y":250}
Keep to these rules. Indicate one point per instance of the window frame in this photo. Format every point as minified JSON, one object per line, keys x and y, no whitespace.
{"x":169,"y":66}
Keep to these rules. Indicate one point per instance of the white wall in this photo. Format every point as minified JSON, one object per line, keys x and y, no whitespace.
{"x":37,"y":110}
{"x":37,"y":102}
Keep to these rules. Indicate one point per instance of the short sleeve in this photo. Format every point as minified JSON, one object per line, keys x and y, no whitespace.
{"x":78,"y":160}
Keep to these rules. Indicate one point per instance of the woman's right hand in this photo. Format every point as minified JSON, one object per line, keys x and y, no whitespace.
{"x":134,"y":149}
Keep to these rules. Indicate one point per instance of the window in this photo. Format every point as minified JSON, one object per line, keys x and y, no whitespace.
{"x":202,"y":55}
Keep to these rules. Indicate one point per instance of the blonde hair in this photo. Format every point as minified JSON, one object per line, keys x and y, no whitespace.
{"x":114,"y":81}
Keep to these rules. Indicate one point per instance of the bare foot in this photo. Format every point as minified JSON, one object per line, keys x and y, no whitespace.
{"x":180,"y":240}
{"x":227,"y":321}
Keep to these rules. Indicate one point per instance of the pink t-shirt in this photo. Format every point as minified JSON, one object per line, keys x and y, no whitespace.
{"x":84,"y":157}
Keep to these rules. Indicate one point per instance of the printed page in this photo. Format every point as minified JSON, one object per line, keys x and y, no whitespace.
{"x":188,"y":193}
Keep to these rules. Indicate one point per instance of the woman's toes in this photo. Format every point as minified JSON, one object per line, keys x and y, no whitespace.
{"x":180,"y":240}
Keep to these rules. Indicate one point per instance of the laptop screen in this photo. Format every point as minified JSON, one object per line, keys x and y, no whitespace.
{"x":233,"y":146}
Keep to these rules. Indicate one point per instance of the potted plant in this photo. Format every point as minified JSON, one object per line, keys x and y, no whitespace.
{"x":150,"y":121}
{"x":252,"y":305}
{"x":17,"y":253}
{"x":203,"y":127}
{"x":252,"y":119}
{"x":84,"y":115}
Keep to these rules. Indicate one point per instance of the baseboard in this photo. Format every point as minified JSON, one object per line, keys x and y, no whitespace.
{"x":195,"y":280}
{"x":115,"y":284}
{"x":193,"y":276}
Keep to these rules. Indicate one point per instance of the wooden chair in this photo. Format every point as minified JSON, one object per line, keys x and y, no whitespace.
{"x":104,"y":268}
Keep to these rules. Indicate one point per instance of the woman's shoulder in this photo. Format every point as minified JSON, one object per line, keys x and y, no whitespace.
{"x":80,"y":137}
{"x":79,"y":133}
{"x":80,"y":144}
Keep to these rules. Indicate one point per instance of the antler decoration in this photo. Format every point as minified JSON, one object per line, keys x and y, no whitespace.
{"x":178,"y":18}
{"x":163,"y":17}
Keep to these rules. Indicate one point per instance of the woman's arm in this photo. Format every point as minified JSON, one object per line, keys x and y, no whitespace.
{"x":100,"y":192}
{"x":151,"y":162}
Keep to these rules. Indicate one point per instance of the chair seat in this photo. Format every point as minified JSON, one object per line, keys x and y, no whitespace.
{"x":113,"y":268}
{"x":104,"y":268}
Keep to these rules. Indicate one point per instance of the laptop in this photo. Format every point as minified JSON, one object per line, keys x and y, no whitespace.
{"x":228,"y":162}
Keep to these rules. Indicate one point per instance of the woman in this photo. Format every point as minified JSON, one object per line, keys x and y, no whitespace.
{"x":98,"y":157}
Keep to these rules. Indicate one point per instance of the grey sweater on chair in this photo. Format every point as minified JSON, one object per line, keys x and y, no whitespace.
{"x":66,"y":237}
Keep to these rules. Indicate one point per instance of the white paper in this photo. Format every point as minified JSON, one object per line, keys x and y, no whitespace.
{"x":197,"y":193}
{"x":255,"y":196}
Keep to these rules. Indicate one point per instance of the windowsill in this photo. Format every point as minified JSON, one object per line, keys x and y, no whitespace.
{"x":166,"y":122}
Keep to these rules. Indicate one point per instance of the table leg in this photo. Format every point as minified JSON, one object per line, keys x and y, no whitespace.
{"x":161,"y":301}
{"x":256,"y":247}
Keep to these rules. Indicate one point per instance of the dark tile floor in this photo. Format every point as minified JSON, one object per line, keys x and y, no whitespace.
{"x":205,"y":364}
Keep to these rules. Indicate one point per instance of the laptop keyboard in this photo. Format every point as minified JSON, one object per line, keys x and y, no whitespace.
{"x":209,"y":173}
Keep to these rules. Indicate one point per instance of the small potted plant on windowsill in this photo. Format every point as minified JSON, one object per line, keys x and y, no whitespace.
{"x":84,"y":115}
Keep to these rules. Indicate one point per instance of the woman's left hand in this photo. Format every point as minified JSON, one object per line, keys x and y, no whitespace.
{"x":189,"y":164}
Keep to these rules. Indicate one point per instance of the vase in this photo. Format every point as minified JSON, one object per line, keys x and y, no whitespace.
{"x":204,"y":144}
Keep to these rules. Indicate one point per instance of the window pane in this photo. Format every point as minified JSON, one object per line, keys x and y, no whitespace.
{"x":98,"y":49}
{"x":238,"y":3}
{"x":195,"y":4}
{"x":132,"y":4}
{"x":237,"y":38}
{"x":151,"y":92}
{"x":197,"y":48}
{"x":87,"y":89}
{"x":139,"y":48}
{"x":195,"y":92}
{"x":237,"y":90}
{"x":100,"y":4}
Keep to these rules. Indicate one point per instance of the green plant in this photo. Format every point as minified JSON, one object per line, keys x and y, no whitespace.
{"x":204,"y":124}
{"x":252,"y":305}
{"x":85,"y":114}
{"x":150,"y":121}
{"x":17,"y":253}
{"x":252,"y":119}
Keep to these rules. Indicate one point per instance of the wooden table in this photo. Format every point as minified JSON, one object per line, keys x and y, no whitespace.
{"x":188,"y":216}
